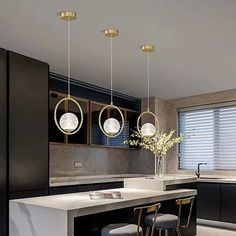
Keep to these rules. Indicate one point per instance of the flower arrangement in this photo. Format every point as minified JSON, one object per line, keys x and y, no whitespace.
{"x":159,"y":145}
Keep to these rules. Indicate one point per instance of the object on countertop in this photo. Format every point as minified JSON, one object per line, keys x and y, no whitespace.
{"x":104,"y":195}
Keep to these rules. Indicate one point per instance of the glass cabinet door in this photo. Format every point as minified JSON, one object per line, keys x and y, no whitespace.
{"x":131,"y":119}
{"x":81,"y":137}
{"x":124,"y":135}
{"x":97,"y":136}
{"x":55,"y":135}
{"x":90,"y":132}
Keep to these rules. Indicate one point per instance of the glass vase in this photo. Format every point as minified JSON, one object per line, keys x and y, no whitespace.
{"x":159,"y":166}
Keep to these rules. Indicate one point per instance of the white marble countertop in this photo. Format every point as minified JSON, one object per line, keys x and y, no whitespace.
{"x":54,"y":215}
{"x":91,"y":179}
{"x":217,"y":179}
{"x":84,"y":205}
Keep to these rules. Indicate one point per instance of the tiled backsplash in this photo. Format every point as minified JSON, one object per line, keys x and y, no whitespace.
{"x":97,"y":161}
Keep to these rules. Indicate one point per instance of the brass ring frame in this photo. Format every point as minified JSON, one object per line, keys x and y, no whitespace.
{"x":122,"y":120}
{"x":81,"y":115}
{"x":157,"y":124}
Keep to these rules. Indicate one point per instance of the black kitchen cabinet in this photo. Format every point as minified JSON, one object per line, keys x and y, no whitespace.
{"x":85,"y":187}
{"x":63,"y":190}
{"x":3,"y":142}
{"x":24,"y":163}
{"x":228,"y":203}
{"x":3,"y":214}
{"x":3,"y":119}
{"x":27,"y":194}
{"x":208,"y":201}
{"x":28,"y":124}
{"x":100,"y":186}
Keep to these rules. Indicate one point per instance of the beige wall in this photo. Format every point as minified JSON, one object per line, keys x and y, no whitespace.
{"x":172,"y":117}
{"x":97,"y":161}
{"x":160,"y":108}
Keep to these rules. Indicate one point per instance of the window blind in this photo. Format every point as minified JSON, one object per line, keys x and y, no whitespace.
{"x":209,"y":136}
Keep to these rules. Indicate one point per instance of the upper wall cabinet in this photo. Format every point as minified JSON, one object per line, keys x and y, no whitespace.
{"x":28,"y":123}
{"x":55,"y":135}
{"x":92,"y":99}
{"x":90,"y":133}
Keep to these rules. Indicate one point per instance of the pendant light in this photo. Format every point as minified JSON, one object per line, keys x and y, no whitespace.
{"x":69,"y":123}
{"x":148,"y":129}
{"x":111,"y":127}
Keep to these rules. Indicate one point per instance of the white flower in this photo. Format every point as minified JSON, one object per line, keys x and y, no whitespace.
{"x":159,"y":145}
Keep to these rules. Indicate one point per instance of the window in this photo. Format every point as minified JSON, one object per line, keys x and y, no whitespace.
{"x":209,"y":136}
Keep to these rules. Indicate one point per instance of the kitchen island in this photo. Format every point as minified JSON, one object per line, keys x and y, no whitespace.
{"x":76,"y":214}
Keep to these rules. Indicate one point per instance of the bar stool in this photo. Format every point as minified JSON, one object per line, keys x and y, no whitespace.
{"x":125,"y":229}
{"x":168,"y":221}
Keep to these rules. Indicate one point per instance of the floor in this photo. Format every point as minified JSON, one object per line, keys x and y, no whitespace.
{"x":208,"y":231}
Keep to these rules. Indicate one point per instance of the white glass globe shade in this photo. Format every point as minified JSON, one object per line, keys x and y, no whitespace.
{"x":148,"y":130}
{"x":111,"y":126}
{"x":69,"y":122}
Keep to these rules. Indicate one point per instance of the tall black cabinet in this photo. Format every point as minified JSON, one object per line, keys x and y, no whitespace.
{"x":28,"y":126}
{"x":24,"y":146}
{"x":3,"y":140}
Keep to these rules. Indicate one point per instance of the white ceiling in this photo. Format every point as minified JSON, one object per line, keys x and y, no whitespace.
{"x":195,"y":39}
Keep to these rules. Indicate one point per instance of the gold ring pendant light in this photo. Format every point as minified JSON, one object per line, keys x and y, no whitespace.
{"x":69,"y":123}
{"x":148,"y":129}
{"x":111,"y":127}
